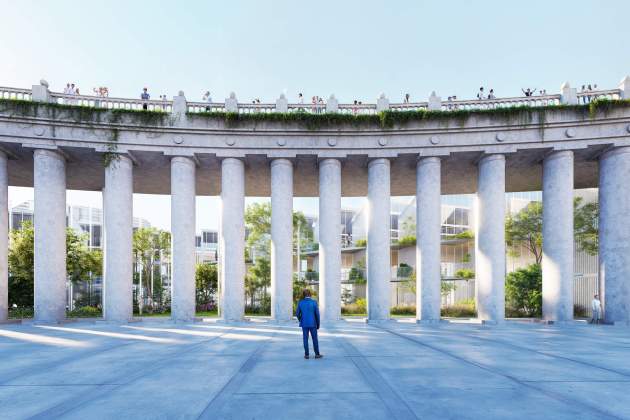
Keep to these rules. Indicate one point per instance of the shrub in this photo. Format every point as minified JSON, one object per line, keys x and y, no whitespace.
{"x":84,"y":312}
{"x":409,"y":240}
{"x":360,"y":243}
{"x":359,"y":307}
{"x":403,"y":310}
{"x":523,"y":292}
{"x":404,"y":271}
{"x":21,"y":312}
{"x":462,"y":309}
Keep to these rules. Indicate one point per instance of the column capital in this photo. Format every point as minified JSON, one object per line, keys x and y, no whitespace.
{"x":190,"y":160}
{"x":557,"y":154}
{"x":281,"y":161}
{"x":427,"y":160}
{"x":54,"y":153}
{"x":329,"y":161}
{"x":614,"y":151}
{"x":379,"y":161}
{"x":487,"y":157}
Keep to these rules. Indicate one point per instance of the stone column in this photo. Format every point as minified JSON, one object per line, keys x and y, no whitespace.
{"x":281,"y":240}
{"x":183,"y":238}
{"x":118,"y":237}
{"x":490,"y":239}
{"x":614,"y":234}
{"x":50,"y":236}
{"x":428,"y":236}
{"x":330,"y":239}
{"x":557,"y":261}
{"x":232,"y":240}
{"x":4,"y":238}
{"x":378,"y":240}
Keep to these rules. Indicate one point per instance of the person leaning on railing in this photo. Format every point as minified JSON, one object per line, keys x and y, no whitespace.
{"x":145,"y":97}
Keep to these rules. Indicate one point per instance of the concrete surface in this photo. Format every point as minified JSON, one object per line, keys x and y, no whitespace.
{"x":255,"y":370}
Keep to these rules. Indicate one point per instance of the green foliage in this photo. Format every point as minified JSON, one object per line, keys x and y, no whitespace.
{"x":79,"y":113}
{"x":360,"y":243}
{"x":258,"y":224}
{"x":112,"y":155}
{"x":206,"y":284}
{"x":462,"y":309}
{"x":85,"y":312}
{"x":447,"y":287}
{"x":523,"y":292}
{"x":359,"y":307}
{"x":404,"y":271}
{"x":357,"y":272}
{"x":586,"y":225}
{"x":525,"y":228}
{"x":81,"y":262}
{"x":520,"y":115}
{"x":257,"y":281}
{"x":465,"y":273}
{"x":21,"y":312}
{"x":409,"y":240}
{"x":403,"y":310}
{"x":311,"y":275}
{"x":148,"y":245}
{"x":408,"y":227}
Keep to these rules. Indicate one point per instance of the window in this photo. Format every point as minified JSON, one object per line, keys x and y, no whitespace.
{"x":96,"y":236}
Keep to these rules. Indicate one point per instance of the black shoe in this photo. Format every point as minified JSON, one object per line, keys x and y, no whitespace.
{"x":306,"y":356}
{"x":319,"y":356}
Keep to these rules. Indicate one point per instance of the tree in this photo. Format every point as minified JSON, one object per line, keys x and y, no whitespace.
{"x":150,"y":245}
{"x":258,"y":224}
{"x":523,"y":291}
{"x":586,"y":225}
{"x":206,"y":284}
{"x":258,"y":277}
{"x":525,"y":228}
{"x":81,"y":262}
{"x":258,"y":250}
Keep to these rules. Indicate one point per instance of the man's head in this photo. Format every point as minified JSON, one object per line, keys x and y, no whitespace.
{"x":596,"y":296}
{"x":306,"y":293}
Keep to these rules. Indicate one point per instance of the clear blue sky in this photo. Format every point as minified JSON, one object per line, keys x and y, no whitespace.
{"x":354,"y":49}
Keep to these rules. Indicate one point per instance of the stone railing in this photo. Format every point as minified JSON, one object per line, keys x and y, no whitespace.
{"x":567,"y":95}
{"x":15,"y":93}
{"x":110,"y":102}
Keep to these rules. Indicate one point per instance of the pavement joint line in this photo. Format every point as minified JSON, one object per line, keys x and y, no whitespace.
{"x":530,"y":385}
{"x":216,"y":404}
{"x":541,"y":352}
{"x":67,"y":406}
{"x":395,"y":404}
{"x":306,"y":393}
{"x":65,"y":360}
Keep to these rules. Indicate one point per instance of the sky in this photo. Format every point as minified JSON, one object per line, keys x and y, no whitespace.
{"x":354,"y":49}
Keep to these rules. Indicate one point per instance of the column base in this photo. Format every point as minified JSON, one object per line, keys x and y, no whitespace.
{"x":487,"y":321}
{"x":625,"y":324}
{"x":10,"y":321}
{"x":377,"y":321}
{"x":430,"y":321}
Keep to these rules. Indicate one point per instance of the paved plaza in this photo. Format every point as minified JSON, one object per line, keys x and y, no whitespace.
{"x":255,"y":370}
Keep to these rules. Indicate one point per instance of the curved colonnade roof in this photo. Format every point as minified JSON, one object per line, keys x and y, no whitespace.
{"x":84,"y":132}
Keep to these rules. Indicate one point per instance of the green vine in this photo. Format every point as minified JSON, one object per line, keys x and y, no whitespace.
{"x":82,"y":114}
{"x":519,"y":115}
{"x":111,"y":155}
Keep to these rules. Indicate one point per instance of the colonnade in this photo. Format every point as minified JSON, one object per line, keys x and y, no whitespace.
{"x":490,"y":250}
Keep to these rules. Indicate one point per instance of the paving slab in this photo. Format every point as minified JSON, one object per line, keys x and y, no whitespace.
{"x":255,"y":370}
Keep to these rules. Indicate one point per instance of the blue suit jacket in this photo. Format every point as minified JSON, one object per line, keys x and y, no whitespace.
{"x":308,"y":313}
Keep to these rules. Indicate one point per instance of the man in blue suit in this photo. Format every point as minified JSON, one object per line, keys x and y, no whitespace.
{"x":308,"y":315}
